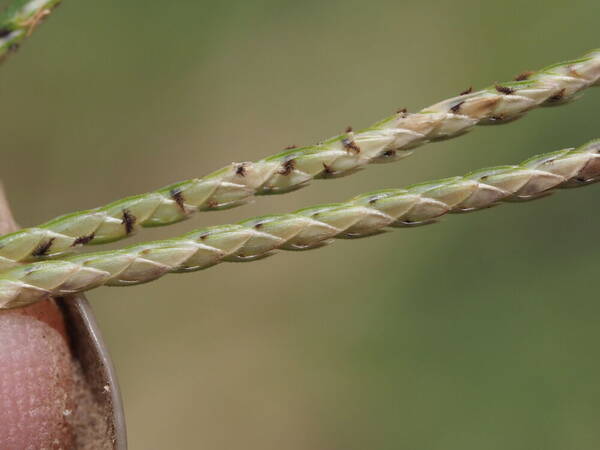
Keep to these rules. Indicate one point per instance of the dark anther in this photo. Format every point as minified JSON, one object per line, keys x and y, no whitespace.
{"x":581,"y":180}
{"x":558,"y":96}
{"x":456,"y":107}
{"x":504,"y":90}
{"x":348,"y":129}
{"x":467,"y":91}
{"x":82,"y":240}
{"x":258,"y":226}
{"x":373,"y":201}
{"x":498,"y":118}
{"x":128,"y":220}
{"x":241,"y":170}
{"x":42,"y":248}
{"x":328,"y":170}
{"x":4,"y":32}
{"x":524,"y":75}
{"x":291,"y":147}
{"x":212,"y":204}
{"x":203,"y":236}
{"x":389,"y":153}
{"x":403,"y":112}
{"x":287,"y":167}
{"x":177,"y":196}
{"x":350,"y":145}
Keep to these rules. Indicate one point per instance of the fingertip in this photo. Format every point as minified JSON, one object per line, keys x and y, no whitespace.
{"x":35,"y":380}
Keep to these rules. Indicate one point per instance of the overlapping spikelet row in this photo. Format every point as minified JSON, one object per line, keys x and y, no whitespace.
{"x":364,"y":215}
{"x":388,"y":140}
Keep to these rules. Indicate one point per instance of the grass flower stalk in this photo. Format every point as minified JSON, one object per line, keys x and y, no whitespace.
{"x":309,"y":228}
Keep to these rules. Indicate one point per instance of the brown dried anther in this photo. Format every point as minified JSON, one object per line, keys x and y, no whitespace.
{"x":241,"y":170}
{"x":177,"y":196}
{"x":350,"y":145}
{"x":524,"y":75}
{"x":287,"y":167}
{"x":456,"y":107}
{"x":348,"y":142}
{"x":82,"y":240}
{"x":504,"y":89}
{"x":42,"y":248}
{"x":128,"y":220}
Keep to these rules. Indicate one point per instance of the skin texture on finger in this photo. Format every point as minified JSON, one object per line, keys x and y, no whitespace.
{"x":35,"y":380}
{"x":36,"y":371}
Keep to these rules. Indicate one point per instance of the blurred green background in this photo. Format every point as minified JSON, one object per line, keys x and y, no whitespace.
{"x":480,"y":332}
